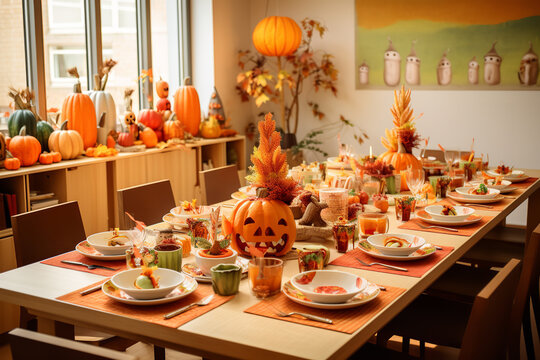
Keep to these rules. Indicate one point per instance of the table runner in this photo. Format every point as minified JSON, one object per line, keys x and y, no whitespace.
{"x":120,"y":265}
{"x":496,"y":206}
{"x":468,"y":230}
{"x":416,"y":268}
{"x":347,"y":320}
{"x":154,"y":314}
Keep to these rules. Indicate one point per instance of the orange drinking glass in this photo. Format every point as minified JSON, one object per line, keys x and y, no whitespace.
{"x":373,"y":223}
{"x":268,"y":281}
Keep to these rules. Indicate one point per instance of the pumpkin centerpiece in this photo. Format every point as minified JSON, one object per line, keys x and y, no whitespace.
{"x":24,"y":114}
{"x":400,"y":141}
{"x":78,"y":109}
{"x":187,"y":107}
{"x":103,"y":101}
{"x":265,"y":221}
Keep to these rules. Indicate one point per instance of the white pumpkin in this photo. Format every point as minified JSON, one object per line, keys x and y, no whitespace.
{"x":68,"y":143}
{"x":104,"y":103}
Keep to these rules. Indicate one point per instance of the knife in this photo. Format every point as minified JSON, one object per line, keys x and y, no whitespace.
{"x":91,"y":290}
{"x":90,"y":267}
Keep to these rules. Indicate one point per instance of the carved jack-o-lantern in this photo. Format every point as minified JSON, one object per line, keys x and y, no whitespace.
{"x":264,"y":224}
{"x":130,"y":118}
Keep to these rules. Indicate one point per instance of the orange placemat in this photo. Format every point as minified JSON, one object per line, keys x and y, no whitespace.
{"x":416,"y":268}
{"x":524,"y":184}
{"x":496,"y":206}
{"x":468,"y":230}
{"x":154,"y":314}
{"x":347,"y":321}
{"x":120,"y":265}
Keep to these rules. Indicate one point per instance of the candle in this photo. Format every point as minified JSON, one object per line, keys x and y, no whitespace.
{"x":371,"y":152}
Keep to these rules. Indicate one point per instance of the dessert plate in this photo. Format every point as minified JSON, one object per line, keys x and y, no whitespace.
{"x":175,"y":221}
{"x":333,"y":163}
{"x":370,"y":293}
{"x":184,"y":289}
{"x":424,"y":216}
{"x":421,"y":253}
{"x":84,"y":248}
{"x":193,"y":271}
{"x":244,"y":192}
{"x":457,"y":197}
{"x":515,"y":176}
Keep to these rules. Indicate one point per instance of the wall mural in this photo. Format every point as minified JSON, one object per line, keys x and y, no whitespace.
{"x":459,"y":45}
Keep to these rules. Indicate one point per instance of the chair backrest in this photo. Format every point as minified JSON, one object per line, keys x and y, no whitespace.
{"x":218,"y":184}
{"x":147,"y":203}
{"x":47,"y":232}
{"x":529,"y":274}
{"x":437,"y":154}
{"x":486,"y":334}
{"x":27,"y":344}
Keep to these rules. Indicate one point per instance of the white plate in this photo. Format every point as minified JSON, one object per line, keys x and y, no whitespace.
{"x":332,"y":163}
{"x":515,"y":176}
{"x":421,"y":253}
{"x":462,"y":213}
{"x":508,"y":189}
{"x":464,"y":191}
{"x":422,"y":215}
{"x":504,"y":184}
{"x":176,"y":222}
{"x":309,"y":281}
{"x":100,"y":242}
{"x":204,"y":212}
{"x":458,"y":197}
{"x":370,"y":293}
{"x":84,"y":248}
{"x":415,"y":242}
{"x":168,"y":281}
{"x":184,"y":289}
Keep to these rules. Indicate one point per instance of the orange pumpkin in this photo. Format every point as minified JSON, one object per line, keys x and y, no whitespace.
{"x":57,"y":157}
{"x":125,"y":139}
{"x":210,"y":128}
{"x":12,"y":164}
{"x":401,"y":160}
{"x":45,"y":159}
{"x":173,"y":128}
{"x":150,"y":118}
{"x":26,"y":148}
{"x":261,"y":221}
{"x":187,"y":107}
{"x":162,"y":89}
{"x":148,"y":137}
{"x":78,"y":109}
{"x":110,"y":142}
{"x":277,"y":36}
{"x":163,"y":105}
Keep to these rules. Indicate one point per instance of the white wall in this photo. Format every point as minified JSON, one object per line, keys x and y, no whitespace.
{"x":505,"y":124}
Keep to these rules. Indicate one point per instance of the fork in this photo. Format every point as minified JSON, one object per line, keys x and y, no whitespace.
{"x":436,"y":227}
{"x":307,"y":316}
{"x":381,"y":264}
{"x":203,"y":302}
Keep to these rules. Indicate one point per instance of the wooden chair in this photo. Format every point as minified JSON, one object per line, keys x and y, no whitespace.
{"x":147,"y":203}
{"x":27,"y":344}
{"x":218,"y":184}
{"x":47,"y":232}
{"x":480,"y":330}
{"x":437,"y":154}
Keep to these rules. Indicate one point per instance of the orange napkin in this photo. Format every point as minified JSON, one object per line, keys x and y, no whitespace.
{"x":120,"y":265}
{"x":416,"y":268}
{"x":524,"y":184}
{"x":461,"y":230}
{"x":154,"y":314}
{"x":347,"y":320}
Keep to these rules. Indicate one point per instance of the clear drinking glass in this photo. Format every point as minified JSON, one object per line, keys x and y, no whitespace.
{"x":450,"y":156}
{"x":415,"y":180}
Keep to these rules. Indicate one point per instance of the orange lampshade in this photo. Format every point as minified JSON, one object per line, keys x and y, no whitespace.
{"x":277,"y":36}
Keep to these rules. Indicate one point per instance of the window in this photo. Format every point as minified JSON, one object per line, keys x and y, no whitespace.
{"x":160,"y":45}
{"x":119,"y":41}
{"x":13,"y":69}
{"x":65,"y":16}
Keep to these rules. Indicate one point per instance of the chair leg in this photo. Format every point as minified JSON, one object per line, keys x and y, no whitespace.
{"x":159,"y":353}
{"x":535,"y":298}
{"x":527,"y":331}
{"x":422,"y":349}
{"x":405,"y":344}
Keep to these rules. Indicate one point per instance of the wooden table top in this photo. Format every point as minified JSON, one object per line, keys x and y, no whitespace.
{"x":228,"y":332}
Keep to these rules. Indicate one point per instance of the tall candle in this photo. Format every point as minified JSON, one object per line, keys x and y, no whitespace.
{"x":371,"y":152}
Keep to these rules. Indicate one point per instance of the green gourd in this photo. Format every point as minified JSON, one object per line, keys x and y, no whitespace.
{"x":20,"y":118}
{"x":44,"y":130}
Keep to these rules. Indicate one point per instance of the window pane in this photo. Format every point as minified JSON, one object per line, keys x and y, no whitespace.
{"x":120,"y":43}
{"x":160,"y":52}
{"x":64,"y":47}
{"x":13,"y":69}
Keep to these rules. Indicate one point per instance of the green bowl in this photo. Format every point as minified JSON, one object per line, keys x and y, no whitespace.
{"x":226,"y":278}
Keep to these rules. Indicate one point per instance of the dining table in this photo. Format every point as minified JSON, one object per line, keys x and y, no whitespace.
{"x":228,"y":331}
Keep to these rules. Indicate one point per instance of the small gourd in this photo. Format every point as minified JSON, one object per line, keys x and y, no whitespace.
{"x":210,"y":128}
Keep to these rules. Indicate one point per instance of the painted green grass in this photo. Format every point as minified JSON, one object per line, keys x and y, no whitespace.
{"x":464,"y":42}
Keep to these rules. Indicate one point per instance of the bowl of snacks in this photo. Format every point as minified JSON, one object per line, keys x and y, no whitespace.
{"x":190,"y":210}
{"x":147,"y":283}
{"x":449,"y":213}
{"x":507,"y":172}
{"x":497,"y":183}
{"x":481,"y":191}
{"x":396,"y":244}
{"x":329,"y":286}
{"x":114,"y":242}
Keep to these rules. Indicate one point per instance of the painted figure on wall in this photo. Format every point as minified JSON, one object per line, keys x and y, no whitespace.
{"x":444,"y":70}
{"x":474,"y":68}
{"x":363,"y":74}
{"x":412,"y":67}
{"x":492,"y":67}
{"x":528,"y":69}
{"x":392,"y":65}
